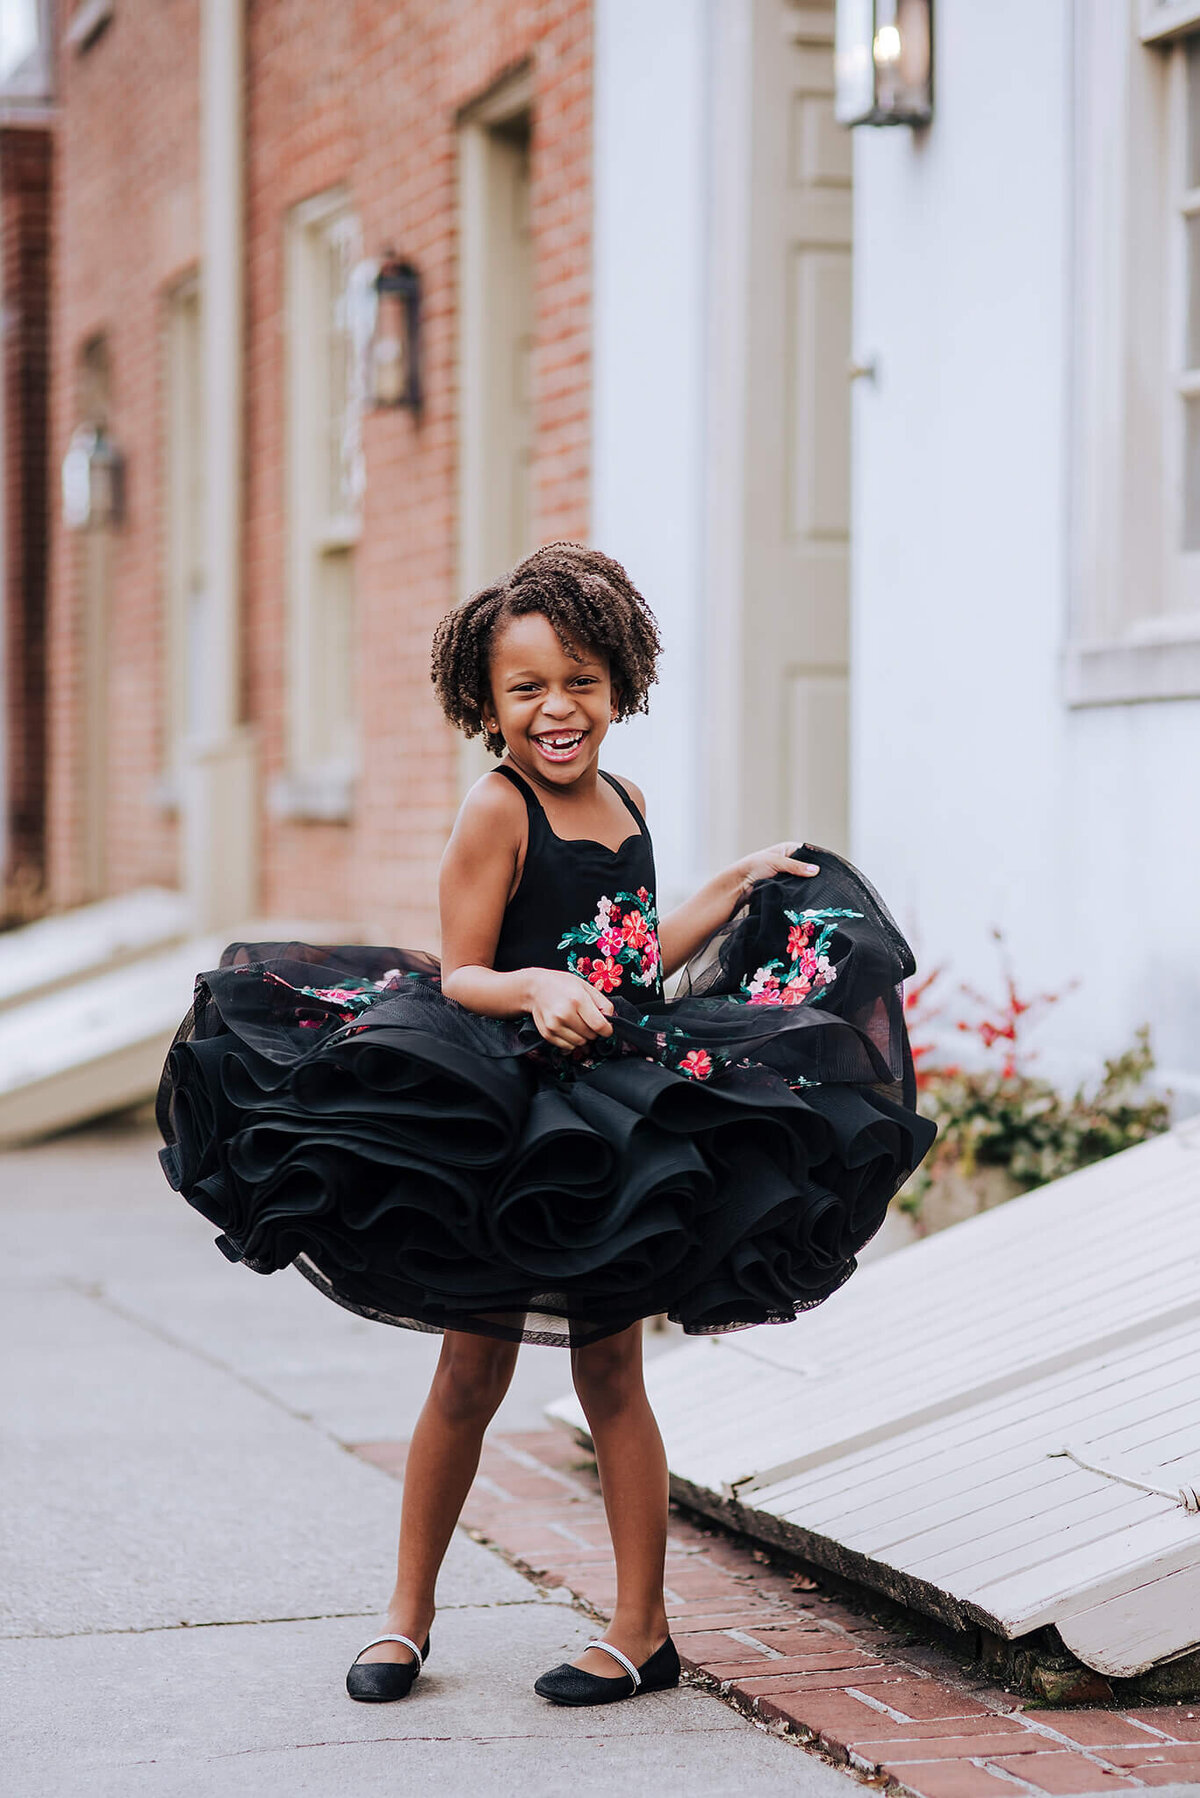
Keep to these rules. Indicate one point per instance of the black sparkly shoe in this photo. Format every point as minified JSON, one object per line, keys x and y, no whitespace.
{"x":378,"y":1682}
{"x":571,"y":1685}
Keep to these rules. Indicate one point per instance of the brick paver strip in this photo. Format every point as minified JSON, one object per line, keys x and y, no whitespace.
{"x":989,"y":1746}
{"x":921,"y":1697}
{"x":1096,"y":1729}
{"x":802,"y":1658}
{"x":748,"y":1665}
{"x":883,"y":1731}
{"x":1182,"y":1722}
{"x":1185,"y":1754}
{"x":1065,"y":1773}
{"x":957,"y":1779}
{"x":835,"y":1717}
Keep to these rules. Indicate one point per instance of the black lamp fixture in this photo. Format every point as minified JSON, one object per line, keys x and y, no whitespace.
{"x":395,"y":378}
{"x":884,"y":62}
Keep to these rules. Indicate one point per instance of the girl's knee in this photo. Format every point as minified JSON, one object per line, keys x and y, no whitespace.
{"x":608,"y":1375}
{"x":471,"y":1379}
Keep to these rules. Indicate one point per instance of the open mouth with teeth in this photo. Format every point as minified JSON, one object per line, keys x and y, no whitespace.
{"x":559,"y":745}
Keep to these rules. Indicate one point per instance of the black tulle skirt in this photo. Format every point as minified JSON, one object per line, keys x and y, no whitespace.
{"x":721,"y":1158}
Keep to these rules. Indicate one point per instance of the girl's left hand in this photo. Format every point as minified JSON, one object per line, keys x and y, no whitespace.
{"x":778,"y":859}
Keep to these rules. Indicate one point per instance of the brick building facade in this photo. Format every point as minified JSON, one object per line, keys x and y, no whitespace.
{"x":355,"y":118}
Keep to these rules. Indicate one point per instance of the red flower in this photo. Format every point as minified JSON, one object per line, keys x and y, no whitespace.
{"x":642,"y":894}
{"x":799,"y":937}
{"x":605,"y":974}
{"x":696,"y":1064}
{"x":634,"y":929}
{"x":582,"y":965}
{"x":795,"y":992}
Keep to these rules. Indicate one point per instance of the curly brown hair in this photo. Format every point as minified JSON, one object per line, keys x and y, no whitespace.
{"x":588,"y":599}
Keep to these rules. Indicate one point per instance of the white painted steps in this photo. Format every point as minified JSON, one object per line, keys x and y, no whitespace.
{"x":96,"y":1046}
{"x":906,"y":1431}
{"x":90,"y":1000}
{"x":57,"y":950}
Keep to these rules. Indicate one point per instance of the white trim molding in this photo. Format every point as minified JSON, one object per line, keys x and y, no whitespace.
{"x":325,"y":479}
{"x":1163,"y":19}
{"x":1124,"y":673}
{"x":1132,"y":635}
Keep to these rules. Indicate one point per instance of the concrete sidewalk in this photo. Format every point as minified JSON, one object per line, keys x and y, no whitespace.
{"x":190,"y":1557}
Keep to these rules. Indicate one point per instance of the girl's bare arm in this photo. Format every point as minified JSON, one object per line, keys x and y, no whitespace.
{"x":476,"y":879}
{"x":683,"y":931}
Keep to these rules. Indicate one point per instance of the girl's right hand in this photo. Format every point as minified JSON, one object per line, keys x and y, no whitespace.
{"x":566,"y":1009}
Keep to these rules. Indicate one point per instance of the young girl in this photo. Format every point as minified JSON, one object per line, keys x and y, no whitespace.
{"x":531,"y":1143}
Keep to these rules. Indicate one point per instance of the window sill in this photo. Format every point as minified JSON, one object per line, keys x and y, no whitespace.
{"x":316,"y":795}
{"x":1132,"y":673}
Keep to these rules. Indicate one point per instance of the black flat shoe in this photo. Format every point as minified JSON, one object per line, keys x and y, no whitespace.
{"x":378,"y":1682}
{"x":571,"y":1685}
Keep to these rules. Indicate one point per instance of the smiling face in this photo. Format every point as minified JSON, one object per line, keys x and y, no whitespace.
{"x":552,"y":710}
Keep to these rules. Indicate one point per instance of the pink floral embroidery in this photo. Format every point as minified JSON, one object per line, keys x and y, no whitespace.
{"x":808,"y":971}
{"x":623,"y":940}
{"x":763,"y":989}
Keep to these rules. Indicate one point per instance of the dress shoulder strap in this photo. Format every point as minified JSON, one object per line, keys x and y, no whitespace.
{"x":533,"y":804}
{"x":628,"y":802}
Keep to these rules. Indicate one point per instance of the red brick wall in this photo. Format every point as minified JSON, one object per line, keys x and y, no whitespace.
{"x":25,"y":196}
{"x":365,"y":95}
{"x":127,"y":220}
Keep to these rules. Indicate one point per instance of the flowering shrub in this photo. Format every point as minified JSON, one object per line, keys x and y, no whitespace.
{"x":999,"y":1113}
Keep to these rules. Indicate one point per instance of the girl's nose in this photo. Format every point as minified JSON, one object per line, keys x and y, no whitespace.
{"x":558,"y":705}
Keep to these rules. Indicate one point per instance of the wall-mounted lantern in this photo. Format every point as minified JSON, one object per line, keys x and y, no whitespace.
{"x":395,"y":360}
{"x":93,"y":481}
{"x":884,"y":62}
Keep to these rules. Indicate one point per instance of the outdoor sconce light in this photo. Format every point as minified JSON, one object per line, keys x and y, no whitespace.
{"x":93,"y":481}
{"x":395,"y":365}
{"x":883,"y":62}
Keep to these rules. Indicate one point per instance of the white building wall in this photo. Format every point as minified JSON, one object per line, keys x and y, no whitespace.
{"x":647,"y":470}
{"x":978,"y":797}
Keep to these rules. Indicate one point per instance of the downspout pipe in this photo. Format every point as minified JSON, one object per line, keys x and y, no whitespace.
{"x":220,"y":783}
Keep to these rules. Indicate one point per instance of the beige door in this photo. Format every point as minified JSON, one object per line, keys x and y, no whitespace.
{"x":497,"y":334}
{"x":794,"y":621}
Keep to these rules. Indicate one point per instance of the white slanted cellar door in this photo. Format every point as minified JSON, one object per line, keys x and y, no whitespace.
{"x":787,"y":580}
{"x":999,"y":1425}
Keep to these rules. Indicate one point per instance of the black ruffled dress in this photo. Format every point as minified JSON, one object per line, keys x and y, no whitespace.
{"x":721,"y":1158}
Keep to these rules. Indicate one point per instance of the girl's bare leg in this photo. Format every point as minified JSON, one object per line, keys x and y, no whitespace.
{"x":473,"y":1374}
{"x":633,"y":1479}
